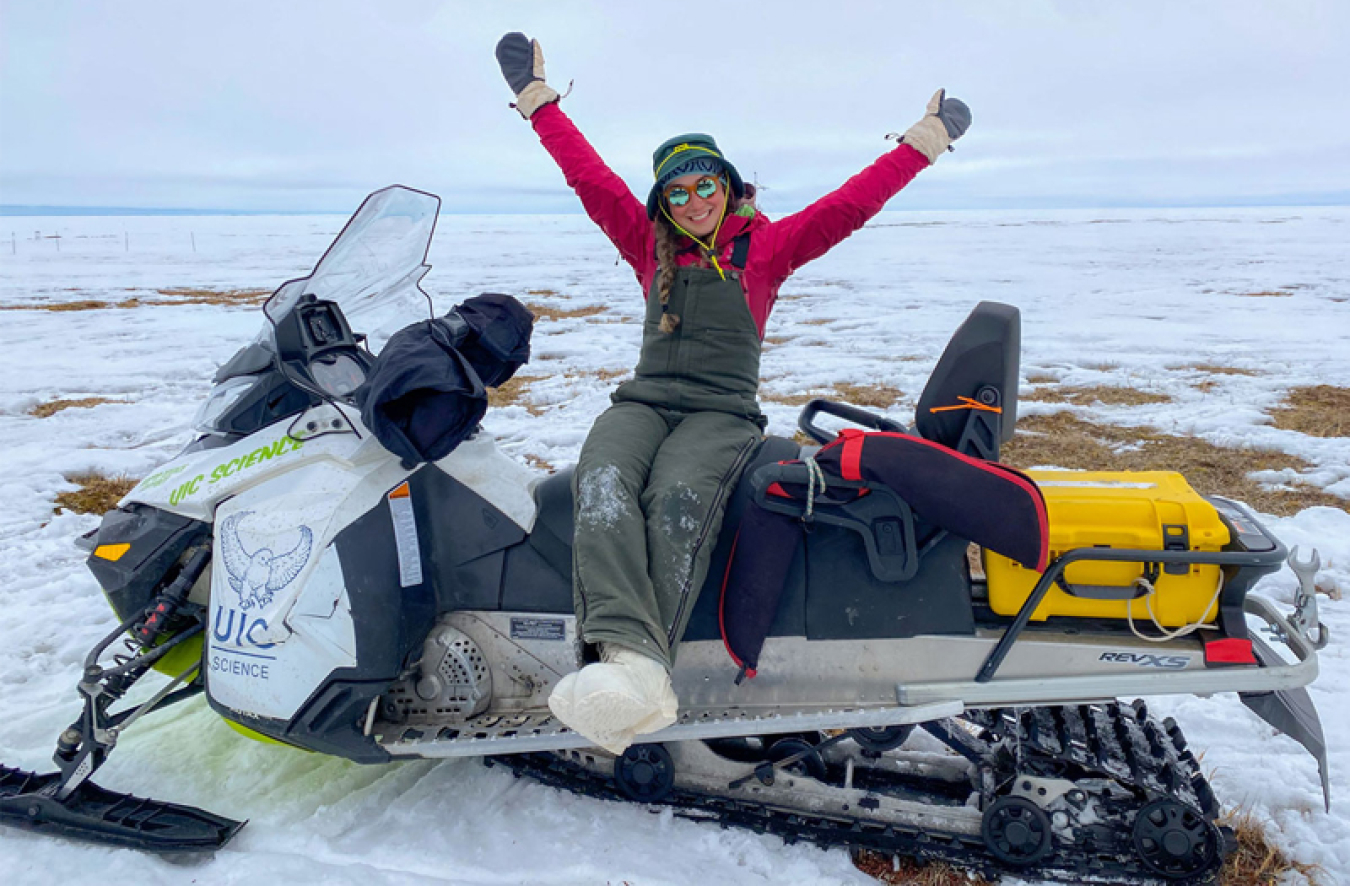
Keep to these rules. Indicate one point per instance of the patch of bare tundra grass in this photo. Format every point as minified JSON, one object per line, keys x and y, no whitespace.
{"x":514,"y":391}
{"x":1217,"y":369}
{"x":180,"y":295}
{"x":1106,"y":395}
{"x":1063,"y":440}
{"x":877,"y":396}
{"x":1257,"y":861}
{"x":189,"y":295}
{"x":51,"y":407}
{"x":98,"y":493}
{"x":548,"y":312}
{"x":904,"y":871}
{"x":1318,"y":411}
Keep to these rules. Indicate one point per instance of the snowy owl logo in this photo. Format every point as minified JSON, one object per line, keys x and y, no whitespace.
{"x":257,"y":576}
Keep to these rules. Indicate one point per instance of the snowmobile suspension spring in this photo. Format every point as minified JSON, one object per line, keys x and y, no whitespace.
{"x":136,"y":666}
{"x":163,"y":608}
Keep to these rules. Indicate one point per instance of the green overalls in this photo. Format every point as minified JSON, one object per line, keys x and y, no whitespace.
{"x":657,"y":468}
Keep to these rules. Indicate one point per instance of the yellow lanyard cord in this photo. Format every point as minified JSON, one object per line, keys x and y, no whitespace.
{"x":709,"y":251}
{"x":677,"y":150}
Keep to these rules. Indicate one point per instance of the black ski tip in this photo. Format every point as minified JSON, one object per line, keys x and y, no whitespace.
{"x":98,"y":815}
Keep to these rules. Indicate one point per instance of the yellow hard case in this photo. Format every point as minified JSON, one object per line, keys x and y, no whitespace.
{"x":1124,"y":509}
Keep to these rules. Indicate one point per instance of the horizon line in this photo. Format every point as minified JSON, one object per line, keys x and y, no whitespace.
{"x":35,"y":210}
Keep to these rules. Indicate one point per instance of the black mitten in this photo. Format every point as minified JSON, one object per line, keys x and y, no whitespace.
{"x":522,"y":64}
{"x":515,"y":54}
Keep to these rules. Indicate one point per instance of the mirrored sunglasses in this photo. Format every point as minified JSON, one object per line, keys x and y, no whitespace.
{"x":706,"y":187}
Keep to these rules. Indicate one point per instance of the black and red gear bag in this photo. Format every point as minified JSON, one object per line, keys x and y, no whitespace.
{"x":988,"y":503}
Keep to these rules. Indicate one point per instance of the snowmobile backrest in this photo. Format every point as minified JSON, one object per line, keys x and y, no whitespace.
{"x":970,"y":401}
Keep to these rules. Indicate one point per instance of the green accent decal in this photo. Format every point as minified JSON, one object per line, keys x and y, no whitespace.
{"x":159,"y":478}
{"x":189,"y":488}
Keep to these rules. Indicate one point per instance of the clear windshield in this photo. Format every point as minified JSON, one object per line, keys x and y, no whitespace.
{"x":373,"y":267}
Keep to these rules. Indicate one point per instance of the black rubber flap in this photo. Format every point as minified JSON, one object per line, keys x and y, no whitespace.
{"x":1292,"y":712}
{"x":755,"y":583}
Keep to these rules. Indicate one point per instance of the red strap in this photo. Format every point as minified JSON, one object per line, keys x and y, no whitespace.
{"x":1229,"y":651}
{"x":722,"y":608}
{"x":850,"y":459}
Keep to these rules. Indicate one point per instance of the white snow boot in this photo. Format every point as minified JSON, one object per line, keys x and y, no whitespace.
{"x":624,"y":695}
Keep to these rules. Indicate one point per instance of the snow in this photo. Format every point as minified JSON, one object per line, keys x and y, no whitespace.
{"x":602,"y":497}
{"x":1138,"y":297}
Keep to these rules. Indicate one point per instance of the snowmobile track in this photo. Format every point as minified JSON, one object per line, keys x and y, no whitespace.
{"x":1138,"y":762}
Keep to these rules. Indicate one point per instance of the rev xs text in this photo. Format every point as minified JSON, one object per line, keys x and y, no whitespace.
{"x":1148,"y":659}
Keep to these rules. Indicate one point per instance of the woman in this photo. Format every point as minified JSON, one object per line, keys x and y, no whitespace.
{"x":658,"y":465}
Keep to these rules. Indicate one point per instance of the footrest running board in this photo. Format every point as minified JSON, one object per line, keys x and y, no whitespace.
{"x":490,"y":734}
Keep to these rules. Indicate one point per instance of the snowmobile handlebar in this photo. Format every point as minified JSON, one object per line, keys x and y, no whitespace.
{"x":806,"y":421}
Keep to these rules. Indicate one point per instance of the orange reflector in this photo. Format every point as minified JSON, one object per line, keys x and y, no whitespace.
{"x":111,"y":552}
{"x":401,"y":491}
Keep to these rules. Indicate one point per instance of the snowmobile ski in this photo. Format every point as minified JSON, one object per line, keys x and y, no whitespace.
{"x":99,"y":815}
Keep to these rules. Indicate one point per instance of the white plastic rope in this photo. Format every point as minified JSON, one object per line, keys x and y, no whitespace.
{"x":814,"y":476}
{"x":1182,"y":631}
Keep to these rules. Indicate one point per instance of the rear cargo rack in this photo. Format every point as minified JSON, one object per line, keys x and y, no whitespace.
{"x":1274,"y":675}
{"x":1258,"y":553}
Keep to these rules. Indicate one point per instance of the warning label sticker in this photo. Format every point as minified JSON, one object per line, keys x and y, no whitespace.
{"x":538,"y":629}
{"x":405,"y":537}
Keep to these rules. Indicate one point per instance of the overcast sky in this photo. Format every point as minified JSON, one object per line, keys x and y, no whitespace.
{"x":310,"y":105}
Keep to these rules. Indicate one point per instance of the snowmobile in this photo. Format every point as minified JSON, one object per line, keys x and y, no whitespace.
{"x":913,"y":695}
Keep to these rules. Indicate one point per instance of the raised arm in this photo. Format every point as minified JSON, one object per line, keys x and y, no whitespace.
{"x":809,"y":234}
{"x":603,"y":194}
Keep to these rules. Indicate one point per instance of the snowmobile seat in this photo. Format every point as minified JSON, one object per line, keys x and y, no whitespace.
{"x":884,"y":560}
{"x":553,"y":496}
{"x":969,"y":405}
{"x":552,"y":532}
